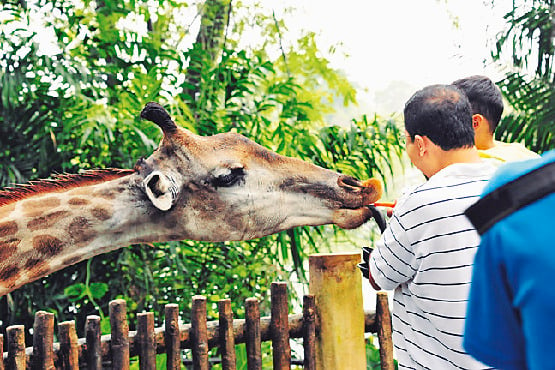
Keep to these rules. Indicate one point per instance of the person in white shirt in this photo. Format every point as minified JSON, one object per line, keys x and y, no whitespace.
{"x":426,"y":252}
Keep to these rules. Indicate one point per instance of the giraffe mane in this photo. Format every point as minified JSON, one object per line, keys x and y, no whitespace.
{"x":60,"y":182}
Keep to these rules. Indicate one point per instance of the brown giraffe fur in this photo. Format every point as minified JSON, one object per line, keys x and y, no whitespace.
{"x":218,"y":188}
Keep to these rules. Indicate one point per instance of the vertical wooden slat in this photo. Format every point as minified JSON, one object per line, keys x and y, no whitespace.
{"x":171,"y":335}
{"x":309,"y":332}
{"x":279,"y":327}
{"x":383,"y":321}
{"x":252,"y":334}
{"x":43,"y":341}
{"x":199,"y":333}
{"x":69,"y":346}
{"x":120,"y":334}
{"x":146,"y":341}
{"x":227,"y":340}
{"x":1,"y":352}
{"x":92,"y":337}
{"x":336,"y":283}
{"x":16,"y":348}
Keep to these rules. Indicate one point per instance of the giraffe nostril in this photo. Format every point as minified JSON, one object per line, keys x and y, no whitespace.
{"x":349,"y":183}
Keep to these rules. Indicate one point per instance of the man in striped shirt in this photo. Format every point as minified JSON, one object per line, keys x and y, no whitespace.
{"x":426,"y":252}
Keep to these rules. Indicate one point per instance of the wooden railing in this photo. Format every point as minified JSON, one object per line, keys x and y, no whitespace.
{"x":322,"y":348}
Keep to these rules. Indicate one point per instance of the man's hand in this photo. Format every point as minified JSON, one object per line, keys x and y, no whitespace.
{"x":364,"y":266}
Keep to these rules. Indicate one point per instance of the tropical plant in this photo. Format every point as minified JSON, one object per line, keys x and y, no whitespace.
{"x":79,"y":109}
{"x":529,"y":86}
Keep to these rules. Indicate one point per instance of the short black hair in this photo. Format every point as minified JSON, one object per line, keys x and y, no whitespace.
{"x":484,"y":96}
{"x":442,"y":113}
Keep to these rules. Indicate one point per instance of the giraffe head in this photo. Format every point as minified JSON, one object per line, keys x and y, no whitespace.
{"x":226,"y":187}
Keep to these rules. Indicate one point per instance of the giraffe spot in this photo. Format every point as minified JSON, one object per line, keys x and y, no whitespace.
{"x":46,"y":221}
{"x":80,"y":229}
{"x":47,"y":245}
{"x":39,"y":270}
{"x":8,"y":228}
{"x":78,"y":201}
{"x":8,"y":247}
{"x":106,"y":194}
{"x":9,"y":273}
{"x":101,"y":214}
{"x":39,"y":205}
{"x":32,"y":262}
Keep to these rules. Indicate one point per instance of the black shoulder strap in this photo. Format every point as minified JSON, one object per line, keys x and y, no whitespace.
{"x":511,"y":197}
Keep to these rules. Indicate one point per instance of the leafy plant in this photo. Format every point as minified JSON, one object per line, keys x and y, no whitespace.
{"x":529,"y":86}
{"x":79,"y":109}
{"x":373,"y":361}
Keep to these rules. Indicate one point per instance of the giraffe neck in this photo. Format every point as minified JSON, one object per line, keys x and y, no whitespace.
{"x":48,"y":231}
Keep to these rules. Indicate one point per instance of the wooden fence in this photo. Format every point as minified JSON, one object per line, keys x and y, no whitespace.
{"x":332,"y":279}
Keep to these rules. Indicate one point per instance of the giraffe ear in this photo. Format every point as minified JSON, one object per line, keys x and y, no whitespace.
{"x":161,"y":189}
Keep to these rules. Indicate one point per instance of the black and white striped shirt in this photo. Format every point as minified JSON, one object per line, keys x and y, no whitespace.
{"x":426,"y":255}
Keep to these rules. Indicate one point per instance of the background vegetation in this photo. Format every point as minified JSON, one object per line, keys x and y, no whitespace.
{"x":77,"y":108}
{"x":528,"y":43}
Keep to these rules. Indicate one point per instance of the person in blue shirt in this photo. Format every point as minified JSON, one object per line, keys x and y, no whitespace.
{"x":510,"y":315}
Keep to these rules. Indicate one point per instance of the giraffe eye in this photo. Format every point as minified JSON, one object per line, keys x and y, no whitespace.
{"x":232,"y":177}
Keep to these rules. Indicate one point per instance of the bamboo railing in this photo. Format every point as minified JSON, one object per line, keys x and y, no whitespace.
{"x":332,"y":279}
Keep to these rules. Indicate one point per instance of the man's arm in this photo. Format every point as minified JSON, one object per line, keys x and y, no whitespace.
{"x":392,"y":261}
{"x":373,"y":282}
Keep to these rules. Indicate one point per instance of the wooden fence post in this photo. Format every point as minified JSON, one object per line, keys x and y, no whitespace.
{"x":252,"y":334}
{"x":1,"y":352}
{"x":199,"y":333}
{"x":17,"y":359}
{"x":146,"y":341}
{"x":279,"y":327}
{"x":43,"y":341}
{"x":336,"y":283}
{"x":119,"y":334}
{"x":69,"y":346}
{"x":171,"y":335}
{"x":383,"y":321}
{"x":93,"y":340}
{"x":227,"y":340}
{"x":309,"y":332}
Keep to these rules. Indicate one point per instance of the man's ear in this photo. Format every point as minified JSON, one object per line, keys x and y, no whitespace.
{"x":421,"y":144}
{"x":477,"y":120}
{"x":161,"y":189}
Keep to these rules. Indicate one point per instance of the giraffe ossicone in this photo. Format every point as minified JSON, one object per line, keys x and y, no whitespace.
{"x":215,"y":188}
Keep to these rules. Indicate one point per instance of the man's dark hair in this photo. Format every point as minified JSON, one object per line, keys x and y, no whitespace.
{"x":442,"y":113}
{"x":484,"y":96}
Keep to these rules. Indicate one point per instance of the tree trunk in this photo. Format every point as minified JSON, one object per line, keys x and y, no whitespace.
{"x":208,"y":45}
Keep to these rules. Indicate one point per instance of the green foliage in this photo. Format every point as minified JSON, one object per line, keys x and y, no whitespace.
{"x":529,"y":40}
{"x":79,"y":109}
{"x":28,"y":126}
{"x":373,"y":361}
{"x":532,"y":120}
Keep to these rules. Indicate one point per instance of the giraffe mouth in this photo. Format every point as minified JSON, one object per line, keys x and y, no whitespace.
{"x":358,"y":196}
{"x":351,"y":218}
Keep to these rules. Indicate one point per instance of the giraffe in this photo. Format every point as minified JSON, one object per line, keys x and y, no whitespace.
{"x":206,"y":188}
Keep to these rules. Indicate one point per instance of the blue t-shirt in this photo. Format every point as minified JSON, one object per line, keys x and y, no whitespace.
{"x":510,"y":320}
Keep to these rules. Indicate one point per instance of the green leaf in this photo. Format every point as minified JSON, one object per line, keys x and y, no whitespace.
{"x":76,"y":291}
{"x":98,"y":290}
